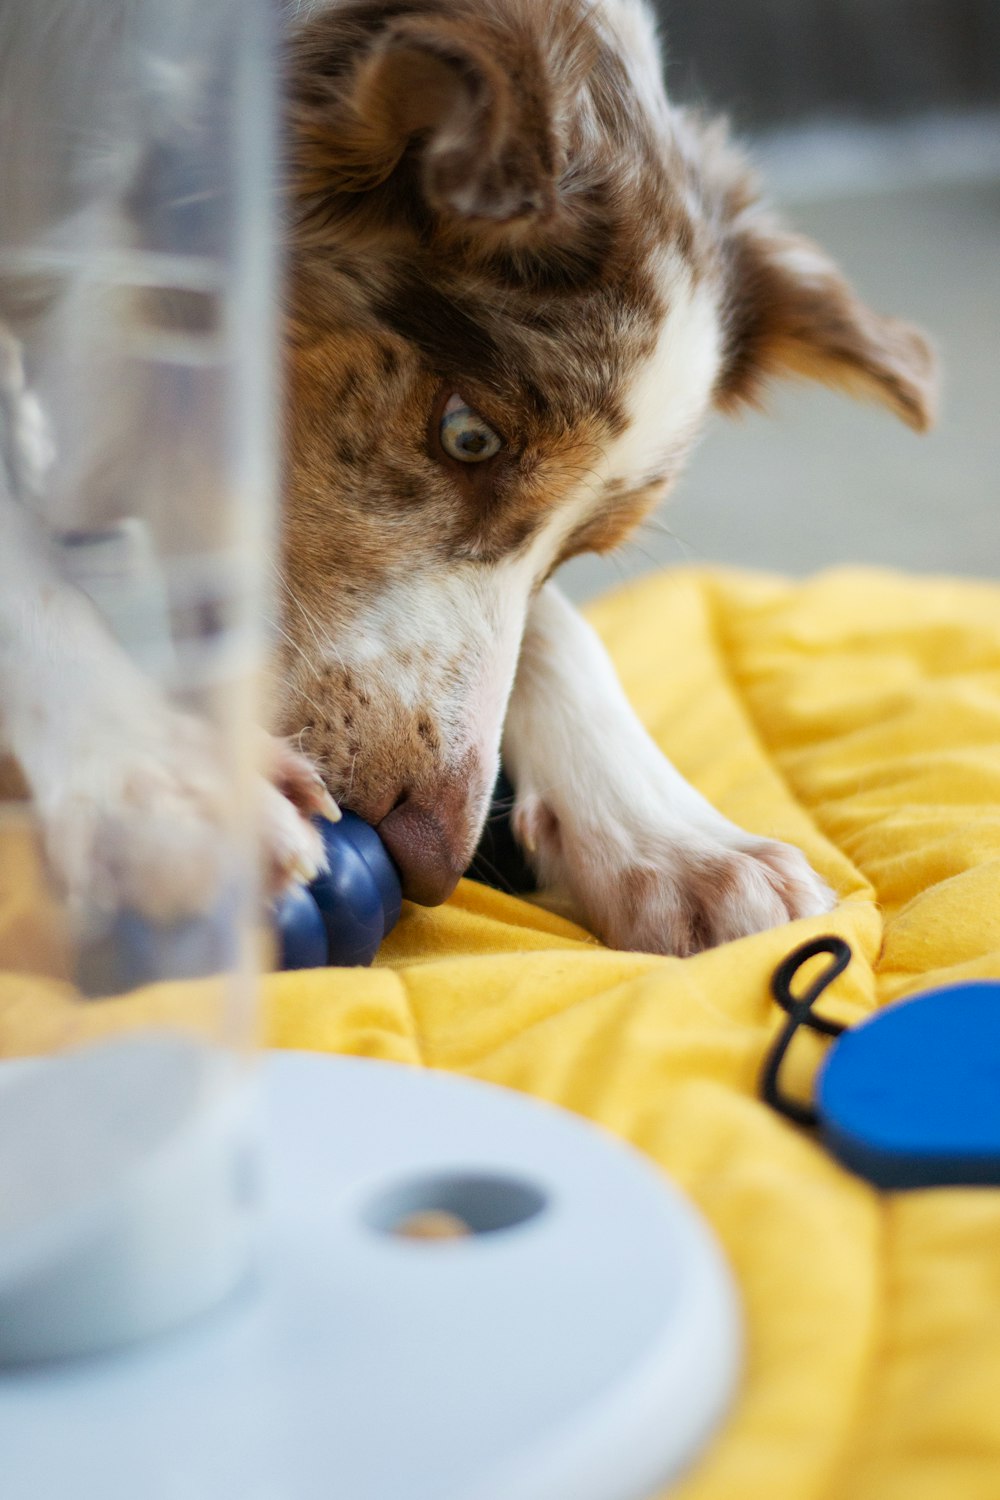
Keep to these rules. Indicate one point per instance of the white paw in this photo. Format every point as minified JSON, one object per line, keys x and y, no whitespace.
{"x":292,"y":794}
{"x":138,"y":817}
{"x":677,"y":888}
{"x":145,"y":819}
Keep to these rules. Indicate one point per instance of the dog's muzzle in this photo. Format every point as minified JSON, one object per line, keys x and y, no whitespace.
{"x":423,"y":851}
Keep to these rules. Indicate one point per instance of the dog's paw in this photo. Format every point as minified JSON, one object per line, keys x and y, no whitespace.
{"x":678,"y":889}
{"x":140,"y":818}
{"x":147,"y":819}
{"x":292,"y":795}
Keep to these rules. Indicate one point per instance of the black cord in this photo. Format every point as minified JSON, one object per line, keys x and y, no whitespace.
{"x":799,"y":1010}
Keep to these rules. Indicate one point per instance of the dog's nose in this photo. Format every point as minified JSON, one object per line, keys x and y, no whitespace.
{"x":418,"y":840}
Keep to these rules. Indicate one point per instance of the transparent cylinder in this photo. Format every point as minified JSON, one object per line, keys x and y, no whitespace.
{"x":137,"y":441}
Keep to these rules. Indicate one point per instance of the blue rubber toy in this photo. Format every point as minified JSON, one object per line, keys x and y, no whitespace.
{"x":359,"y":899}
{"x":300,"y":931}
{"x":342,"y":917}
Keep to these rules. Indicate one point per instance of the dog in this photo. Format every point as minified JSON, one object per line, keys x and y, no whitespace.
{"x":518,"y":280}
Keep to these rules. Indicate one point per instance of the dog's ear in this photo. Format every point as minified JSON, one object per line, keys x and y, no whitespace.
{"x":422,"y":110}
{"x":789,"y":310}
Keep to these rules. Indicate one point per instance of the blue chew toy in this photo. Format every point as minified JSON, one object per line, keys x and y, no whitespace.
{"x":909,"y":1098}
{"x":342,"y":917}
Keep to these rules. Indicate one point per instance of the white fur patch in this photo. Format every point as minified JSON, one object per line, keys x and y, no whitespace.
{"x":446,"y":643}
{"x":615,"y":832}
{"x":629,"y":28}
{"x":671,"y":391}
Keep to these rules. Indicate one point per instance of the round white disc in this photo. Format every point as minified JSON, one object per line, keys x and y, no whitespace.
{"x":581,"y":1345}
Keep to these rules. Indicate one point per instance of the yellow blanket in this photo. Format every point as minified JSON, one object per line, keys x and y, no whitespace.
{"x":857,"y":715}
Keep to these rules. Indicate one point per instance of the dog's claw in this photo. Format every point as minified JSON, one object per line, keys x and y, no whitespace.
{"x":303,"y":870}
{"x":328,"y":807}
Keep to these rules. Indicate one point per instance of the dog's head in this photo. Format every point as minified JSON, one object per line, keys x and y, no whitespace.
{"x":519,"y":281}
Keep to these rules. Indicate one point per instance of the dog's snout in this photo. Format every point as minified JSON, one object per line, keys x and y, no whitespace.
{"x":424,"y":850}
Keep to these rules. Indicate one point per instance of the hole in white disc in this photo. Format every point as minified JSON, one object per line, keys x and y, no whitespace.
{"x":453,"y":1206}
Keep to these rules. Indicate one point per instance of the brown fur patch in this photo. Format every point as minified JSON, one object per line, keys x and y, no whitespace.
{"x":788,"y":310}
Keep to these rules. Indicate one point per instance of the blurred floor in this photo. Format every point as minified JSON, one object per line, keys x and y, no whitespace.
{"x":822,"y":480}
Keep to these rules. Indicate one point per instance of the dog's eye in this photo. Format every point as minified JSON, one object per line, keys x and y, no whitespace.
{"x":465,"y":436}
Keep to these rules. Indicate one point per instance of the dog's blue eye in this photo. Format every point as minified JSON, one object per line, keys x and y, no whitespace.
{"x":464,"y":434}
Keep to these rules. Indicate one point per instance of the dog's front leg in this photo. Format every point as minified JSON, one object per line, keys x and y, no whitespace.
{"x":612,"y":828}
{"x":132,"y":796}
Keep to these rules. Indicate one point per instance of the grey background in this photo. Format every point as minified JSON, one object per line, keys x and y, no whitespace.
{"x":773,"y":61}
{"x":878,"y":127}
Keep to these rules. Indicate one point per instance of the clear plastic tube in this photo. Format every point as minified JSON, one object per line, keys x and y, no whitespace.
{"x":137,"y":421}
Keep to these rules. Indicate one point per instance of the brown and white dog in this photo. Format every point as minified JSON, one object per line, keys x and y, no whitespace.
{"x":519,"y":280}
